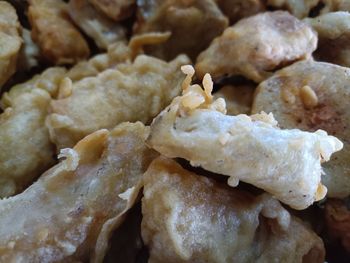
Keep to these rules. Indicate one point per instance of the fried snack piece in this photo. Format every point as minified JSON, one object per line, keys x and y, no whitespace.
{"x":59,"y":41}
{"x":29,"y":55}
{"x":285,"y":163}
{"x":193,"y":25}
{"x":25,"y":147}
{"x":189,"y":218}
{"x":117,"y":53}
{"x":131,"y":92}
{"x":310,"y":96}
{"x":10,"y":41}
{"x":115,"y":9}
{"x":298,"y":8}
{"x":238,"y":98}
{"x":70,"y":212}
{"x":237,"y":9}
{"x":101,"y":29}
{"x":335,"y":5}
{"x":258,"y":45}
{"x":338,"y":221}
{"x":333,"y":31}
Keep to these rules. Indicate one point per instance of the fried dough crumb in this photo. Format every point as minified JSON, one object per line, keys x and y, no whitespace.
{"x":308,"y":97}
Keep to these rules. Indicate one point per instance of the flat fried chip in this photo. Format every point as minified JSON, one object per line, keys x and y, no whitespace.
{"x":25,"y":147}
{"x":238,"y":98}
{"x":10,"y":41}
{"x":59,"y":41}
{"x":69,"y":213}
{"x":115,"y":9}
{"x":101,"y":29}
{"x":189,"y":218}
{"x":193,"y":24}
{"x":285,"y":163}
{"x":333,"y":31}
{"x":310,"y":96}
{"x":258,"y":45}
{"x":130,"y":92}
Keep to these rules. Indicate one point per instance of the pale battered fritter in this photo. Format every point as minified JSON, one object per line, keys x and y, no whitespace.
{"x":189,"y":218}
{"x":10,"y":41}
{"x":59,"y":41}
{"x":193,"y":25}
{"x":238,"y":98}
{"x":29,"y":54}
{"x":25,"y":147}
{"x":69,"y":213}
{"x":285,"y":163}
{"x":101,"y":29}
{"x":130,"y":92}
{"x":258,"y":45}
{"x":333,"y":31}
{"x":115,"y":9}
{"x":310,"y":96}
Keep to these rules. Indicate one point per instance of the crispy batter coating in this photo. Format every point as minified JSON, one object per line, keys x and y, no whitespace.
{"x":238,"y":98}
{"x":29,"y":55}
{"x":101,"y":29}
{"x":10,"y":41}
{"x":258,"y":45}
{"x":285,"y":163}
{"x":193,"y":25}
{"x":238,"y":9}
{"x":298,"y":8}
{"x":115,"y":9}
{"x":69,"y":213}
{"x":333,"y":31}
{"x":189,"y":218}
{"x":337,"y":215}
{"x":131,"y":92}
{"x":335,"y":5}
{"x":284,"y":95}
{"x":59,"y":41}
{"x":25,"y":148}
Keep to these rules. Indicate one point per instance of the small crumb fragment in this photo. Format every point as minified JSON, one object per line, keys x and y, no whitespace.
{"x":308,"y":97}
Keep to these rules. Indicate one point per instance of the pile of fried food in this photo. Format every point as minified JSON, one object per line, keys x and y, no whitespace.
{"x":114,"y":148}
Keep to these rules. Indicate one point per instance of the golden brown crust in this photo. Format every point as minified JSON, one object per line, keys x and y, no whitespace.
{"x":10,"y":41}
{"x":193,"y":24}
{"x":59,"y":41}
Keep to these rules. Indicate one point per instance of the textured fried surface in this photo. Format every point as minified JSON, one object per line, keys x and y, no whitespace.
{"x":59,"y":41}
{"x":69,"y":213}
{"x":28,"y":57}
{"x":237,"y":9}
{"x":333,"y":31}
{"x":338,"y":221}
{"x":10,"y":41}
{"x":193,"y":25}
{"x":238,"y":98}
{"x":298,"y":8}
{"x":256,"y":46}
{"x":285,"y":163}
{"x":25,"y":148}
{"x":131,"y":92}
{"x":281,"y":95}
{"x":114,"y":9}
{"x":189,"y":218}
{"x":101,"y":29}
